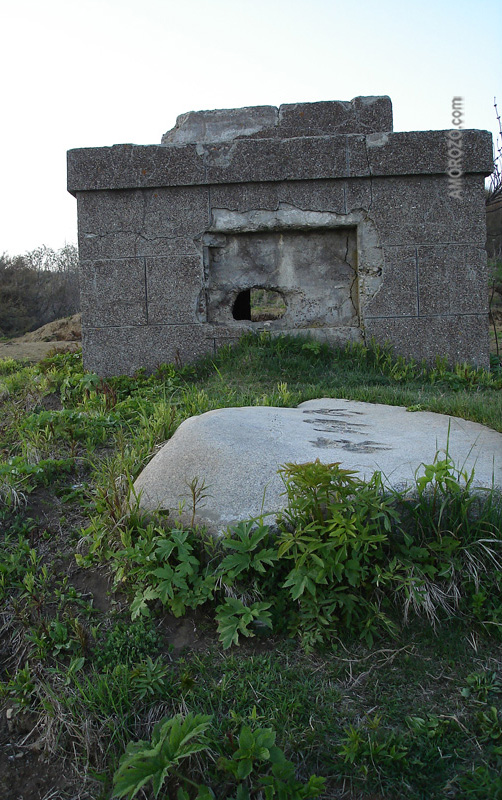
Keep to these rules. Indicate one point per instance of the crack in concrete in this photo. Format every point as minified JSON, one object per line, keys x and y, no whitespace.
{"x":370,"y":172}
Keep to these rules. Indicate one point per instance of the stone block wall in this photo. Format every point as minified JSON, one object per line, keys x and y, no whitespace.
{"x":351,"y":224}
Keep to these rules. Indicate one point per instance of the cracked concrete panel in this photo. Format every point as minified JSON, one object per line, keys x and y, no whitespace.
{"x":314,"y":271}
{"x":136,"y":223}
{"x":113,"y":292}
{"x":452,"y":279}
{"x":174,"y":290}
{"x":358,"y":195}
{"x":324,"y":118}
{"x":101,"y":213}
{"x":245,"y":196}
{"x":107,"y":224}
{"x":459,"y":338}
{"x":175,"y":211}
{"x":221,"y":125}
{"x":321,"y":195}
{"x":397,"y":293}
{"x":119,"y":244}
{"x":419,"y":210}
{"x":169,"y":246}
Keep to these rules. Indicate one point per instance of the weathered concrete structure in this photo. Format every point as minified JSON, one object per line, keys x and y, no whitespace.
{"x":351,"y":225}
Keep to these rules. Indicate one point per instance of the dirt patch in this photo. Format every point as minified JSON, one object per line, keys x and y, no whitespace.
{"x":68,"y":329}
{"x":62,"y":336}
{"x":95,"y":585}
{"x":34,"y":351}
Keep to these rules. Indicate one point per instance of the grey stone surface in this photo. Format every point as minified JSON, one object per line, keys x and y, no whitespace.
{"x":417,"y":210}
{"x":125,"y":349}
{"x":452,"y":279}
{"x":276,"y":160}
{"x":113,"y":292}
{"x":130,"y":166}
{"x":251,"y":160}
{"x":174,"y":289}
{"x":426,"y":152}
{"x":221,"y":125}
{"x":142,"y":223}
{"x":360,"y":115}
{"x":325,"y":118}
{"x":397,"y":294}
{"x":237,"y":452}
{"x":152,"y":217}
{"x":319,"y":195}
{"x":458,"y":338}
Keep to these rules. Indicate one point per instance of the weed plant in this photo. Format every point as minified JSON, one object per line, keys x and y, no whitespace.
{"x":356,"y":640}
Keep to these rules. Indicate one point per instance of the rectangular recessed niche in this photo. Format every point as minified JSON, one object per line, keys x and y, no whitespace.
{"x":312,"y":273}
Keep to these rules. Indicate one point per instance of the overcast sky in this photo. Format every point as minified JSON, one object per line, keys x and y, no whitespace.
{"x":87,"y":73}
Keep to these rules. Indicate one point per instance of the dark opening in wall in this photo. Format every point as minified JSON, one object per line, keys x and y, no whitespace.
{"x":258,"y":305}
{"x":241,"y":308}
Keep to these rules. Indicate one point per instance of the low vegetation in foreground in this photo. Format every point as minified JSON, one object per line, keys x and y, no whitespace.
{"x":351,"y":649}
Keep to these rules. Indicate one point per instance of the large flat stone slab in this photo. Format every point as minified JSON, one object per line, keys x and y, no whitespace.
{"x":236,"y":453}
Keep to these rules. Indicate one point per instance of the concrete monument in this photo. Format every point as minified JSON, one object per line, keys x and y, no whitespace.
{"x":349,"y":225}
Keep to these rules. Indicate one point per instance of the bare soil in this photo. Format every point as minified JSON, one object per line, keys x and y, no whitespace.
{"x":62,"y":336}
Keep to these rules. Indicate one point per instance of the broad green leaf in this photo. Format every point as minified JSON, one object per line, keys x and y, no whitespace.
{"x":245,"y":768}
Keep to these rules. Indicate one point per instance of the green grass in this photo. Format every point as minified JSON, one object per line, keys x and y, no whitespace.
{"x":409,"y":714}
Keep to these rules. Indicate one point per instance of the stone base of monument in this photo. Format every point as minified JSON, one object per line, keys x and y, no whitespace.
{"x":235,"y":454}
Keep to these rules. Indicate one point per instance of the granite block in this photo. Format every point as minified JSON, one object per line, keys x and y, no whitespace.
{"x":358,"y":195}
{"x":397,"y":294}
{"x":248,"y":160}
{"x":420,"y":211}
{"x":106,"y":212}
{"x":357,"y":156}
{"x":459,"y":338}
{"x":245,"y":196}
{"x":373,"y":114}
{"x":427,"y":152}
{"x":96,"y":246}
{"x":125,"y":349}
{"x":136,"y":223}
{"x":360,"y":115}
{"x":130,"y":166}
{"x":113,"y":292}
{"x":452,"y":279}
{"x":322,"y":195}
{"x":174,"y":290}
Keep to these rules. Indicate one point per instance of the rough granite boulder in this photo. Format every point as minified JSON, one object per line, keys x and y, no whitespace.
{"x":236,"y":454}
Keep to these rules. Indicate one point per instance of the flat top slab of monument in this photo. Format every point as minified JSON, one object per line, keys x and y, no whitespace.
{"x":237,"y":452}
{"x":325,"y":118}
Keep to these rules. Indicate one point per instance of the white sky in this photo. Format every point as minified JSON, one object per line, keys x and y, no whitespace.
{"x":86,"y":73}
